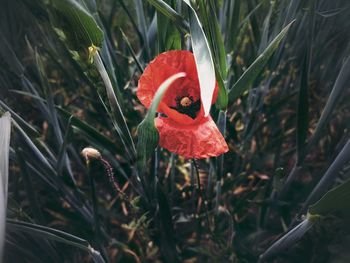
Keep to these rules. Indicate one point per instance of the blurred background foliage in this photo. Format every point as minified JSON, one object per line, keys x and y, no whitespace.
{"x":288,"y":135}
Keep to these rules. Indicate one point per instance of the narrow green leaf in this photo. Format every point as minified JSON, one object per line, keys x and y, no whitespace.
{"x":287,"y":240}
{"x":221,"y":123}
{"x":80,"y":26}
{"x":248,"y":77}
{"x":133,"y":54}
{"x":169,"y":37}
{"x":204,"y":60}
{"x":45,"y":164}
{"x":222,"y":100}
{"x":93,"y":135}
{"x":170,"y":13}
{"x":115,"y":110}
{"x":53,"y":119}
{"x":217,"y":42}
{"x":329,"y":177}
{"x":5,"y":132}
{"x":338,"y":90}
{"x":266,"y":28}
{"x":148,"y":136}
{"x":303,"y":111}
{"x":26,"y":126}
{"x":63,"y":148}
{"x":212,"y":28}
{"x":335,"y":200}
{"x":55,"y":235}
{"x":5,"y":128}
{"x":142,"y":24}
{"x":231,"y":23}
{"x":254,"y":24}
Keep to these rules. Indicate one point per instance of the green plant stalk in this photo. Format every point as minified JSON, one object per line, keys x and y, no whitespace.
{"x":219,"y":161}
{"x":201,"y":196}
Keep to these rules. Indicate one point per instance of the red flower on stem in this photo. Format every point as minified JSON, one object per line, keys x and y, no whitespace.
{"x":183,"y":128}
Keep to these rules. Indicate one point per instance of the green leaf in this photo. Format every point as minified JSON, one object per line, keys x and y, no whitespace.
{"x":89,"y":131}
{"x":204,"y":60}
{"x":115,"y":110}
{"x":222,"y":100}
{"x":55,"y":235}
{"x":327,"y":181}
{"x":303,"y":111}
{"x":287,"y":240}
{"x":26,"y":126}
{"x":212,"y":28}
{"x":80,"y":26}
{"x":5,"y":132}
{"x":245,"y":81}
{"x":148,"y":136}
{"x":337,"y":92}
{"x":335,"y":200}
{"x":169,"y":37}
{"x":132,"y":52}
{"x":215,"y":38}
{"x":170,"y":13}
{"x":231,"y":23}
{"x":142,"y":25}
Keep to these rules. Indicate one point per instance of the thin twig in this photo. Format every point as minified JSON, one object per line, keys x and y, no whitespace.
{"x":113,"y":182}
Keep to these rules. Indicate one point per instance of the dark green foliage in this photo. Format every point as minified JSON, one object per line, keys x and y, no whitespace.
{"x":279,"y":195}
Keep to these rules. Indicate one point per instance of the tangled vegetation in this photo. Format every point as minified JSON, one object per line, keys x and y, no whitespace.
{"x":69,"y":75}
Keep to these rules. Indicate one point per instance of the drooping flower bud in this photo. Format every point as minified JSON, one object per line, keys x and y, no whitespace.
{"x":90,"y":153}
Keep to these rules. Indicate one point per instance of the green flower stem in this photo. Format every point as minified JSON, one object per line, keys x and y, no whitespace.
{"x":201,"y":196}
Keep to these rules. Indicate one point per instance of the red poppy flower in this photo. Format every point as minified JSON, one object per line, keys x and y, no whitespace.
{"x":184,"y":130}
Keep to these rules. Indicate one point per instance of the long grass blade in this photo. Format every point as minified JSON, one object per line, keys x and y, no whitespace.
{"x":55,"y":235}
{"x":248,"y":77}
{"x":170,"y":13}
{"x":203,"y":58}
{"x":286,"y":241}
{"x":335,"y":200}
{"x":338,"y":89}
{"x":5,"y":131}
{"x":142,"y":24}
{"x":303,"y":110}
{"x":329,"y":177}
{"x":115,"y":108}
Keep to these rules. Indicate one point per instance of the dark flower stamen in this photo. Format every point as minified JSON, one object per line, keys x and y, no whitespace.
{"x":186,"y":105}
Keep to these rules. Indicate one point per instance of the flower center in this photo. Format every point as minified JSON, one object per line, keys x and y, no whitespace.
{"x":185,"y":102}
{"x":186,"y":105}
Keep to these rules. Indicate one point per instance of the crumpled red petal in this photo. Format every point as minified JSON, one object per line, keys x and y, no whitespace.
{"x":201,"y":140}
{"x":179,"y":133}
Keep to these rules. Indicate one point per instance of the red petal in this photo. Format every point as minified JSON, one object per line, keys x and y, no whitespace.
{"x":201,"y":140}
